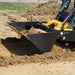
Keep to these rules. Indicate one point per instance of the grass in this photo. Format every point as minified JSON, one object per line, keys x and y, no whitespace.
{"x":4,"y":14}
{"x":15,"y":6}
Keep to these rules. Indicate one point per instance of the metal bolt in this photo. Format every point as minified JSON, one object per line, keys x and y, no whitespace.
{"x":64,"y":38}
{"x":61,"y":33}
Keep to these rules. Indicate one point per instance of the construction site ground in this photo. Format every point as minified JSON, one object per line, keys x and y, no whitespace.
{"x":17,"y":58}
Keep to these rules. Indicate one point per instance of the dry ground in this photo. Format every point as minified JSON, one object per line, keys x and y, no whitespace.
{"x":40,"y":69}
{"x":17,"y":58}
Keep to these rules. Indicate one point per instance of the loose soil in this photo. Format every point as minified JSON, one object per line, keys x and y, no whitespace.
{"x":32,"y":31}
{"x":14,"y":50}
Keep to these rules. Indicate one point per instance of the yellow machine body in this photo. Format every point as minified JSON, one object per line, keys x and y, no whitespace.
{"x":57,"y":25}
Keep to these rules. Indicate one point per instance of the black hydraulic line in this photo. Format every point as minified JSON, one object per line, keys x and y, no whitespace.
{"x":64,"y":6}
{"x":72,"y":23}
{"x":63,"y":1}
{"x":74,"y":3}
{"x":70,"y":14}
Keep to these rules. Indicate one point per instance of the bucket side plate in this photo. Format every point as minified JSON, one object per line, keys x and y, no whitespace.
{"x":44,"y":41}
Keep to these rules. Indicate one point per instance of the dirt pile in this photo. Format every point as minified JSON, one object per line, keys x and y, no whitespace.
{"x":49,"y":8}
{"x":42,"y":12}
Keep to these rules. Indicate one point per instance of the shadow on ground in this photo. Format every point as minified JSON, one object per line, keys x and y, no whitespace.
{"x":19,"y":47}
{"x":66,"y":45}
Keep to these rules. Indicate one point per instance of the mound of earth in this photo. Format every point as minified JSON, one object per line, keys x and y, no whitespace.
{"x":50,"y":7}
{"x":44,"y":11}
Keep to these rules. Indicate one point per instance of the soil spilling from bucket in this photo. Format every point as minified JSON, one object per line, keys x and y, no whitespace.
{"x":32,"y":31}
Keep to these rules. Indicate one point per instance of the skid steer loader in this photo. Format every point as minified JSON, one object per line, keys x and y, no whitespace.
{"x":61,"y":27}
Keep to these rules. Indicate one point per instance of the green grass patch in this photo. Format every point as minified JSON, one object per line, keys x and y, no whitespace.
{"x":15,"y":6}
{"x":4,"y":14}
